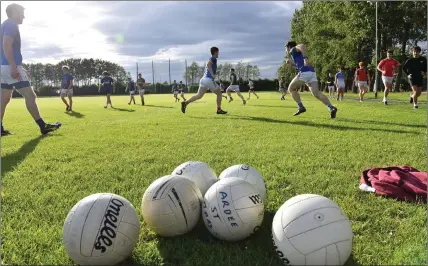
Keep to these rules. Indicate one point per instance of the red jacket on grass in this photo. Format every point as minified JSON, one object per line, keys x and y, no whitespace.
{"x":402,"y":182}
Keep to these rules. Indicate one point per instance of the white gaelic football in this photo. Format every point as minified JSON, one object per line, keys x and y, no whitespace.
{"x":101,"y":229}
{"x":247,"y":173}
{"x":312,"y":230}
{"x":199,"y":172}
{"x":171,"y":205}
{"x":232,"y":209}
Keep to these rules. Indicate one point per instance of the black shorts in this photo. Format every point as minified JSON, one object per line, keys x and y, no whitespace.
{"x":416,"y":81}
{"x":252,"y":89}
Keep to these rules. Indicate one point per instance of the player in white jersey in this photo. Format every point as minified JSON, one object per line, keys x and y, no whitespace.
{"x":207,"y":83}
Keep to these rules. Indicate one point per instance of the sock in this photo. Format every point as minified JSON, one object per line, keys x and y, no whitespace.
{"x":384,"y":99}
{"x":41,"y":123}
{"x":218,"y":108}
{"x":413,"y":105}
{"x":300,"y":104}
{"x":330,"y":106}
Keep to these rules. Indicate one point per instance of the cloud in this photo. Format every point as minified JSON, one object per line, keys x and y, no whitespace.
{"x":130,"y":32}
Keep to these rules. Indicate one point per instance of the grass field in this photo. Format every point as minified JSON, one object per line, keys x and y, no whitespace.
{"x":123,"y":150}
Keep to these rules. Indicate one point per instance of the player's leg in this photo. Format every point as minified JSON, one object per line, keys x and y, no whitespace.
{"x":197,"y":96}
{"x":228,"y":90}
{"x":238,"y":92}
{"x":313,"y":87}
{"x":70,"y":99}
{"x":108,"y":100}
{"x":30,"y":101}
{"x":417,"y":91}
{"x":254,"y":92}
{"x":217,"y":91}
{"x":387,"y":82}
{"x":249,"y":95}
{"x":63,"y":93}
{"x":182,"y":96}
{"x":6,"y":95}
{"x":293,"y":88}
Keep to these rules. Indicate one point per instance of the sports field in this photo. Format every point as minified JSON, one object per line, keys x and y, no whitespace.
{"x":123,"y":150}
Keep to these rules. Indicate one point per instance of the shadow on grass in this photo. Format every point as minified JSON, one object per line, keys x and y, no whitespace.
{"x":10,"y":161}
{"x":382,"y":122}
{"x":75,"y":114}
{"x":122,"y":109}
{"x":311,"y":124}
{"x":274,"y":106}
{"x":200,"y":247}
{"x":158,"y":106}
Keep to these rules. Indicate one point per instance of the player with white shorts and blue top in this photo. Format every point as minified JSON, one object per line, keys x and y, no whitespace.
{"x":207,"y":83}
{"x":306,"y":76}
{"x":13,"y":75}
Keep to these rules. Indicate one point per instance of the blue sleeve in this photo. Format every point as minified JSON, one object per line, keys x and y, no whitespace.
{"x":71,"y":77}
{"x":10,"y":29}
{"x":294,"y":51}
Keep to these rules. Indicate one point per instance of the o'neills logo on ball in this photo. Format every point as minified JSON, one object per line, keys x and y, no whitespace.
{"x":108,"y":232}
{"x":245,"y":167}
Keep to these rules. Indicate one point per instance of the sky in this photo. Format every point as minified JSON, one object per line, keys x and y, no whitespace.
{"x":131,"y":32}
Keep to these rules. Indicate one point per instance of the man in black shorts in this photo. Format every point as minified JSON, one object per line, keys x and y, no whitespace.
{"x":416,"y":69}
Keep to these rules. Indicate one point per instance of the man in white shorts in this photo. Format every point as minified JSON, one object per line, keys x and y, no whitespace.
{"x":388,"y":67}
{"x":340,"y":83}
{"x":306,"y":76}
{"x":207,"y":83}
{"x":234,"y":86}
{"x":67,"y":88}
{"x":330,"y":85}
{"x":181,"y":89}
{"x":13,"y":75}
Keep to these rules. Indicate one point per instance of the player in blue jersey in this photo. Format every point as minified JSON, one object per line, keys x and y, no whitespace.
{"x":67,"y":88}
{"x":306,"y":76}
{"x":107,"y":87}
{"x":339,"y":80}
{"x":130,"y":85}
{"x":12,"y":74}
{"x":207,"y":83}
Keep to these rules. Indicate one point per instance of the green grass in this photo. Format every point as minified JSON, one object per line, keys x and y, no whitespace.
{"x":122,"y":151}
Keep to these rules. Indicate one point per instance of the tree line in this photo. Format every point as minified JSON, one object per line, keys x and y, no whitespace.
{"x":343,"y":34}
{"x":244,"y":72}
{"x":85,"y":72}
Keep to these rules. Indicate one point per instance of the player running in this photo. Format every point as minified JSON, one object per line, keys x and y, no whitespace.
{"x":252,"y":89}
{"x":12,"y":74}
{"x":234,"y":86}
{"x":330,"y":85}
{"x":306,"y":76}
{"x":207,"y":83}
{"x":107,"y":86}
{"x":130,"y":85}
{"x":181,"y":89}
{"x":415,"y":69}
{"x":141,"y":83}
{"x":339,"y":80}
{"x":362,"y":79}
{"x":282,"y":88}
{"x":175,"y":90}
{"x":67,"y":88}
{"x":388,"y":67}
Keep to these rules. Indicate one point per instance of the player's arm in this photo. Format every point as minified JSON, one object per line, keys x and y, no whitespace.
{"x":406,"y":67}
{"x":70,"y":83}
{"x":302,"y":49}
{"x":424,"y":66}
{"x":356,"y":76}
{"x":210,"y":68}
{"x":380,"y":65}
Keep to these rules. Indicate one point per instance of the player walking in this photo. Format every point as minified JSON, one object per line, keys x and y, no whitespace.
{"x":141,"y":83}
{"x":107,"y":86}
{"x":66,"y":88}
{"x":130,"y":85}
{"x":13,"y":75}
{"x":340,"y":83}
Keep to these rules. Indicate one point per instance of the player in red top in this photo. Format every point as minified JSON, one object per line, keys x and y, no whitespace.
{"x":362,"y":79}
{"x":388,"y":67}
